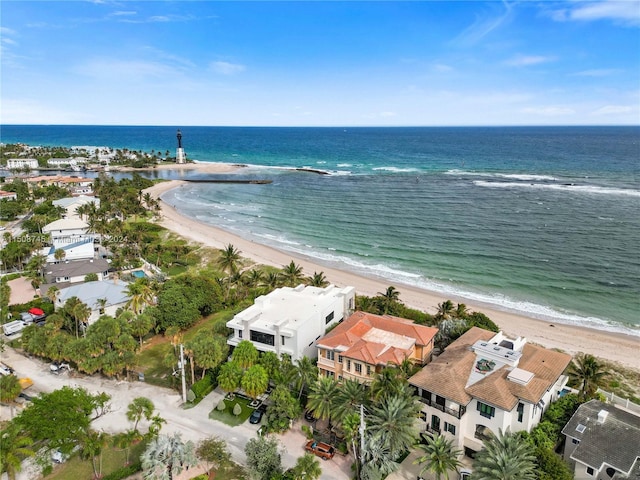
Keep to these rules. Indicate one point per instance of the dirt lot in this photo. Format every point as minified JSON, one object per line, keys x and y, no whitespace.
{"x":21,"y":291}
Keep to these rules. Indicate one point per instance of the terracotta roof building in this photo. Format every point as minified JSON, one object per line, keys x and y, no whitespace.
{"x":365,"y":343}
{"x":485,"y":381}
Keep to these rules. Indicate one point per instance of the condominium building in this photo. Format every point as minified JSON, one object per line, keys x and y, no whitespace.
{"x":365,"y":343}
{"x":290,"y":320}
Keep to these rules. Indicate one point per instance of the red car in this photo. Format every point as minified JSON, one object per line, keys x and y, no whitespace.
{"x":321,"y":449}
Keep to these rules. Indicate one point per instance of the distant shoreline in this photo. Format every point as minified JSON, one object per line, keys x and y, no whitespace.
{"x":616,"y":347}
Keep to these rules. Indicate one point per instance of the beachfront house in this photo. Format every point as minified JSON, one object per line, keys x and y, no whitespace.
{"x":290,"y":320}
{"x":364,"y":344}
{"x":484,"y":382}
{"x":92,"y":293}
{"x":602,"y":442}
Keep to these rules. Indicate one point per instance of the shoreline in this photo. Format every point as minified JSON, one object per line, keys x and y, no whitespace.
{"x":612,"y":346}
{"x":203,"y":167}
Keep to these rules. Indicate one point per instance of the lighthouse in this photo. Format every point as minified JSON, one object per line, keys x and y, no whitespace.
{"x":180,"y":156}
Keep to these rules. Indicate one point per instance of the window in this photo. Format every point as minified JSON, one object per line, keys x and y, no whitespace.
{"x":575,"y":441}
{"x":426,"y":395}
{"x":328,"y":318}
{"x":239,"y":333}
{"x":520,"y":411}
{"x":486,"y":410}
{"x":448,"y":427}
{"x":265,"y":338}
{"x":348,"y":365}
{"x":590,"y":471}
{"x":282,"y":337}
{"x":330,"y":355}
{"x":358,"y":368}
{"x":340,"y":357}
{"x":369,"y":370}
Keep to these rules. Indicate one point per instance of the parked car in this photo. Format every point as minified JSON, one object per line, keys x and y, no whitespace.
{"x":256,"y":417}
{"x":308,"y":416}
{"x":28,"y":398}
{"x":58,"y":457}
{"x":58,"y":368}
{"x":321,"y":449}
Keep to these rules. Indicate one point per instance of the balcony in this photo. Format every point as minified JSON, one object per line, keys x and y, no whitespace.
{"x":455,"y":413}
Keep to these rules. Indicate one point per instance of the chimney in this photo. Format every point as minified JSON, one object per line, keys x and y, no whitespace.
{"x":602,"y":416}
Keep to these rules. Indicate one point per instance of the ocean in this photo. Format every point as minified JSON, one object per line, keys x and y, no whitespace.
{"x":541,"y":221}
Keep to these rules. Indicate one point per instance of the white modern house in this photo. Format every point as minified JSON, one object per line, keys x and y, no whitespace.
{"x":484,"y":382}
{"x":91,"y":294}
{"x":290,"y":320}
{"x":603,"y":442}
{"x":8,"y":195}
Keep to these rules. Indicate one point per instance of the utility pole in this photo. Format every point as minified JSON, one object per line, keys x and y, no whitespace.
{"x":184,"y":383}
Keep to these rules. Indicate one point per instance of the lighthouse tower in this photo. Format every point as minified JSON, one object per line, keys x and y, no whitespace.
{"x":180,"y":156}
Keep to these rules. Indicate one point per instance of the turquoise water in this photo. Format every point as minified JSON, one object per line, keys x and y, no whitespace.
{"x":541,"y":221}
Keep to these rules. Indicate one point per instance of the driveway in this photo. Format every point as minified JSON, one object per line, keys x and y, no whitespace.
{"x":194,"y":423}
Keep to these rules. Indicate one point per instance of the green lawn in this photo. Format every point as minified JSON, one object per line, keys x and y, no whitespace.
{"x":227,"y":416}
{"x":112,"y":459}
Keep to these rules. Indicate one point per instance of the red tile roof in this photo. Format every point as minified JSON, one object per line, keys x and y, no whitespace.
{"x":377,"y":339}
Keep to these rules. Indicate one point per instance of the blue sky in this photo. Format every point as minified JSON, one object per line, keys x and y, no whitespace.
{"x":320,"y":63}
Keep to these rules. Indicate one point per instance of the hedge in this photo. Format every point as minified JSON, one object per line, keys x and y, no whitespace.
{"x":124,"y":472}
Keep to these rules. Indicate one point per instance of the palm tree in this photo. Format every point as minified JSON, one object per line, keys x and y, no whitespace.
{"x":307,"y":467}
{"x":393,"y":421}
{"x":388,"y":298}
{"x":229,"y":377}
{"x":59,"y":254}
{"x":445,"y":309}
{"x":140,"y":295}
{"x":271,"y":280}
{"x":15,"y":447}
{"x":307,"y":372}
{"x":292,"y":274}
{"x":387,"y":382}
{"x":461,"y":311}
{"x":378,"y":461}
{"x":229,"y":259}
{"x":506,"y":456}
{"x":351,"y":394}
{"x":317,"y":280}
{"x":587,"y":372}
{"x":245,"y":354}
{"x":255,"y":381}
{"x":166,"y":457}
{"x":440,"y":457}
{"x":140,"y":407}
{"x":321,"y":398}
{"x":92,"y":445}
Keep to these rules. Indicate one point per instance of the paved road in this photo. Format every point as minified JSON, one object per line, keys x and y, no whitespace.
{"x":194,"y":424}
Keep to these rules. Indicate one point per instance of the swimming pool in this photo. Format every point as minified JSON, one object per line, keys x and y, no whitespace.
{"x":138,"y":274}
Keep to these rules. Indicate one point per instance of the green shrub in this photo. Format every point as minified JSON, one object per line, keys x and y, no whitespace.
{"x":237,"y":409}
{"x":203,"y":387}
{"x":124,"y":472}
{"x":221,"y":405}
{"x":191,"y":397}
{"x":307,"y":431}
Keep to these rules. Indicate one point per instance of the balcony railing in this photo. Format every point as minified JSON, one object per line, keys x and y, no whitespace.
{"x":456,"y":413}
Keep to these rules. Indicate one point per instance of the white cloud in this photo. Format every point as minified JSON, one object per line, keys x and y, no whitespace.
{"x":122,"y":13}
{"x":623,"y":12}
{"x":226,"y":68}
{"x":526,"y":60}
{"x":388,"y":114}
{"x":21,"y":110}
{"x":550,"y":111}
{"x":598,"y":72}
{"x":124,"y":69}
{"x":483,"y":26}
{"x":7,"y":31}
{"x":612,"y":110}
{"x":441,"y":68}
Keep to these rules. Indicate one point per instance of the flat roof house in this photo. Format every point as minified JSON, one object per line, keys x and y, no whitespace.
{"x":365,"y":343}
{"x":485,"y":381}
{"x":290,"y":320}
{"x":603,"y":442}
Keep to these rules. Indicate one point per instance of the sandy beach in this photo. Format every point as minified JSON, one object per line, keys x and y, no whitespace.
{"x":572,"y":339}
